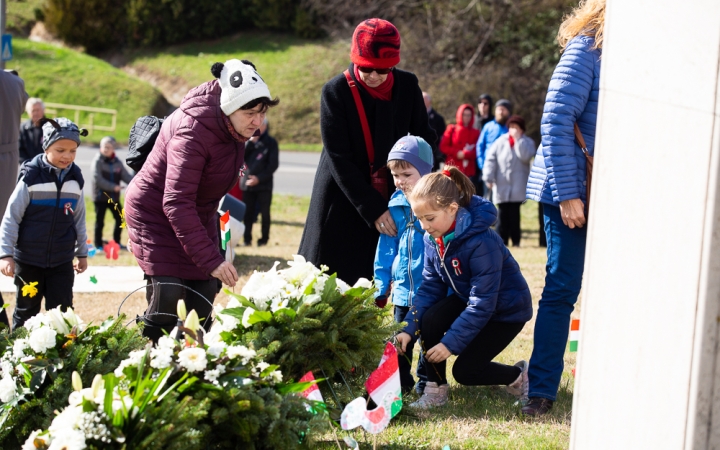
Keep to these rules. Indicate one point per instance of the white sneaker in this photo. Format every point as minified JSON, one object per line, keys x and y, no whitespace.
{"x":433,"y":396}
{"x":519,"y":387}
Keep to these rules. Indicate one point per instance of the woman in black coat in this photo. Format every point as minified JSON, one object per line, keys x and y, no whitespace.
{"x":346,"y":212}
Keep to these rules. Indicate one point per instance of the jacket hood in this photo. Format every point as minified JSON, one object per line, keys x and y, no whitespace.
{"x":459,"y":113}
{"x":202,"y":103}
{"x":478,"y":217}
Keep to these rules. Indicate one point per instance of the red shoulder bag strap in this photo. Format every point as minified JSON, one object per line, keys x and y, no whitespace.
{"x":363,"y":119}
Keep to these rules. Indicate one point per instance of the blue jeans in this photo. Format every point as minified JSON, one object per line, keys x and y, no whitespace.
{"x":405,"y":361}
{"x":563,"y":280}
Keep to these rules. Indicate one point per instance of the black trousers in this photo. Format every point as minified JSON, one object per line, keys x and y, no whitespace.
{"x":508,"y":223}
{"x":100,"y":209}
{"x":55,"y":284}
{"x":257,"y":200}
{"x":163,"y":293}
{"x":541,"y":223}
{"x":474,"y":366}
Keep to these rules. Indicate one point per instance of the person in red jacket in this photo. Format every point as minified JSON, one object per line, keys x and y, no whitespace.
{"x":458,"y":141}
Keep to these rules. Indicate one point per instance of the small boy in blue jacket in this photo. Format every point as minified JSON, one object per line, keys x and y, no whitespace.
{"x":399,"y":259}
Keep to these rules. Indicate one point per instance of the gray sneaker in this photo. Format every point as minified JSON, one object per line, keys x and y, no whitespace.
{"x":519,"y":387}
{"x":433,"y":396}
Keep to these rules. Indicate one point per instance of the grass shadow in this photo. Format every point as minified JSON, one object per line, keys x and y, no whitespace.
{"x":287,"y":223}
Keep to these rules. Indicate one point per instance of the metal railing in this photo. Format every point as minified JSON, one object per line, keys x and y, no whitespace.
{"x":52,"y":110}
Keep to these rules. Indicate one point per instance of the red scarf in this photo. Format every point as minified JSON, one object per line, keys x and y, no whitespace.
{"x":382,"y":92}
{"x":511,"y":140}
{"x":441,"y":240}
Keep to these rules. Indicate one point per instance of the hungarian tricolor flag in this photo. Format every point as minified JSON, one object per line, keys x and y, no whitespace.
{"x":574,"y":334}
{"x":225,"y":229}
{"x":313,"y":392}
{"x":386,"y":379}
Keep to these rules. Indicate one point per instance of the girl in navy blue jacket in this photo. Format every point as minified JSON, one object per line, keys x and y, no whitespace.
{"x":490,"y":300}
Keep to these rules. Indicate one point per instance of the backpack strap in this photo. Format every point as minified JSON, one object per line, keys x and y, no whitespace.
{"x":363,"y":119}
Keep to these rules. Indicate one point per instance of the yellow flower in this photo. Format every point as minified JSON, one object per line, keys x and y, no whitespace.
{"x":29,"y":290}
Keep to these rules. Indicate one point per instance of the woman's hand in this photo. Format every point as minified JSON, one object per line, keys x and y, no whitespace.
{"x":226,"y":273}
{"x":7,"y":266}
{"x":573,"y":213}
{"x":386,"y":225}
{"x":252,"y":180}
{"x":81,"y":265}
{"x":403,"y":339}
{"x":437,"y":354}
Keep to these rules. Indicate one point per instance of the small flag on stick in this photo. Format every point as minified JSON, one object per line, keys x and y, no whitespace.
{"x":574,"y":334}
{"x":313,"y":392}
{"x":225,"y":229}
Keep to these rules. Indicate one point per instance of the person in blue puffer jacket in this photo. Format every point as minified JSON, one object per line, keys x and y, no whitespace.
{"x":557,"y":180}
{"x":399,"y":259}
{"x":490,"y":299}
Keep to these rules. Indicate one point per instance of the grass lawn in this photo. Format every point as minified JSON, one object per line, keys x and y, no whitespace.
{"x":61,"y":75}
{"x":477,"y":417}
{"x":294,"y":69}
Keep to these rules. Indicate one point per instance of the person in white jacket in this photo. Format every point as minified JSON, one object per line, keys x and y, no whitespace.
{"x":506,"y":171}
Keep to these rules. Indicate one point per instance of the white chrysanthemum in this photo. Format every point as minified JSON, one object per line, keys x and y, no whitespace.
{"x":193,"y":359}
{"x":133,"y":359}
{"x":240,"y":351}
{"x":363,"y":283}
{"x":161,"y":357}
{"x":220,"y":368}
{"x":262,"y":365}
{"x":8,"y":389}
{"x":166,"y":342}
{"x":67,"y":439}
{"x":68,"y":419}
{"x":246,"y":317}
{"x":7,"y":368}
{"x":57,"y":321}
{"x":215,"y":349}
{"x":342,"y":286}
{"x":30,"y":442}
{"x":226,"y":322}
{"x":19,"y":348}
{"x":212,"y":375}
{"x":264,"y":286}
{"x":41,"y":339}
{"x":36,"y":322}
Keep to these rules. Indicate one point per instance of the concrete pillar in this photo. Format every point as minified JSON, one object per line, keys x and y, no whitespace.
{"x":648,"y":366}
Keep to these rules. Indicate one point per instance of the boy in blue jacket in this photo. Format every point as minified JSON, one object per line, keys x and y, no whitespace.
{"x":43,"y":229}
{"x":399,"y":259}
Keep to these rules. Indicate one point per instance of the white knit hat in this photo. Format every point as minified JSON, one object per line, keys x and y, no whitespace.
{"x":240,"y":84}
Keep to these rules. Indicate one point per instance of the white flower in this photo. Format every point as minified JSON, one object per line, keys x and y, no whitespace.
{"x":36,"y":322}
{"x":7,"y":368}
{"x":161,"y":357}
{"x":363,"y":283}
{"x":276,"y":376}
{"x":342,"y":286}
{"x":262,"y":365}
{"x":221,"y":369}
{"x":30,"y":442}
{"x":133,"y":359}
{"x":166,"y":342}
{"x":312,"y":299}
{"x":226,"y":322}
{"x":68,"y":419}
{"x":193,"y":359}
{"x":8,"y":389}
{"x":246,"y":317}
{"x":213,"y":337}
{"x":212,"y":375}
{"x":215,"y":349}
{"x":240,"y":351}
{"x":233,"y":303}
{"x":19,"y":348}
{"x":67,"y":439}
{"x":278,"y":304}
{"x":300,"y":273}
{"x":57,"y":321}
{"x":42,"y":339}
{"x":264,"y":286}
{"x":319,"y":285}
{"x":73,"y":319}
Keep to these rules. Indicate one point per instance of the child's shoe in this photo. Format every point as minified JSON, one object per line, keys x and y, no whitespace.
{"x":433,"y":396}
{"x":519,"y":387}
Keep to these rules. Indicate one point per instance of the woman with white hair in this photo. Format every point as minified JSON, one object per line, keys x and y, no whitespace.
{"x":30,"y":132}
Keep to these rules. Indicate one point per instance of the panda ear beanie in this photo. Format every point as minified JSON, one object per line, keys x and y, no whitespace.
{"x":240,"y":83}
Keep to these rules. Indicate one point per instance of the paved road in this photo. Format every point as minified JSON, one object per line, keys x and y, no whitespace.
{"x":294,"y":176}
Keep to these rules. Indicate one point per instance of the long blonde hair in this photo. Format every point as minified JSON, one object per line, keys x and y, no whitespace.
{"x":588,"y":19}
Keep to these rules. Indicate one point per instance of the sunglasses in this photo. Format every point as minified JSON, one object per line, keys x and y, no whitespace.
{"x":371,"y":70}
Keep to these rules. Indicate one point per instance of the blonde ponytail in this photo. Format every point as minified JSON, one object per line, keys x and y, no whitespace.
{"x":444,"y":188}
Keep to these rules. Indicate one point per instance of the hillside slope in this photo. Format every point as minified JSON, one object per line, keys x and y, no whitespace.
{"x":294,"y":69}
{"x":61,"y":75}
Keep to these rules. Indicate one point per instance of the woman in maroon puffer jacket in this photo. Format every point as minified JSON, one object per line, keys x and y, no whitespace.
{"x":171,"y":204}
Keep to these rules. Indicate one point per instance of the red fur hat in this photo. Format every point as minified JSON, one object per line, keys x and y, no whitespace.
{"x":376,"y":44}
